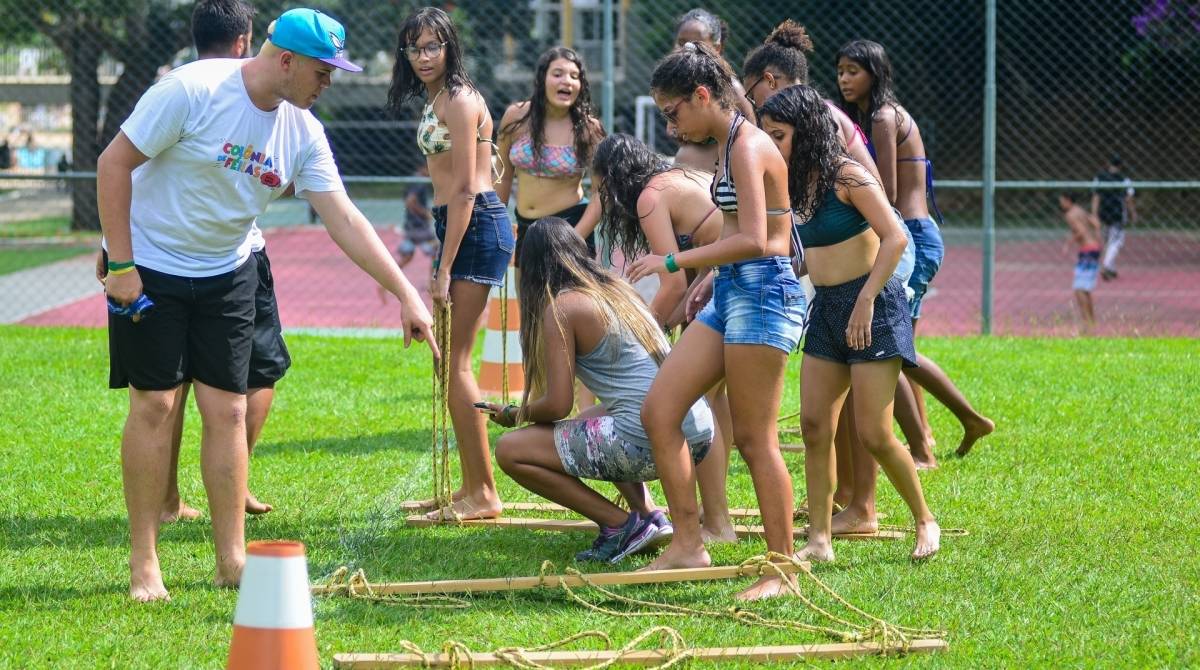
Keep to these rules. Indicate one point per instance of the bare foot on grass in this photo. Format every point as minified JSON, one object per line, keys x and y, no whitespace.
{"x":253,"y":506}
{"x":180,"y":511}
{"x":229,"y":573}
{"x":854,"y":522}
{"x":676,"y":557}
{"x":973,"y":431}
{"x":145,"y":581}
{"x":816,"y":552}
{"x":925,"y":461}
{"x":771,"y":586}
{"x":929,"y":537}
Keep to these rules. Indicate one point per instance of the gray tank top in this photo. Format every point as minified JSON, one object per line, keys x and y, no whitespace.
{"x":619,"y":371}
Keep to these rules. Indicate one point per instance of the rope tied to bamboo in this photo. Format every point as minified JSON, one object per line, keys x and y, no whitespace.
{"x":443,"y":495}
{"x":356,"y":586}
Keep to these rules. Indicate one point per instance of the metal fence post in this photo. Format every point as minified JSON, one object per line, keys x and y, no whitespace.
{"x":606,"y":108}
{"x":989,"y":173}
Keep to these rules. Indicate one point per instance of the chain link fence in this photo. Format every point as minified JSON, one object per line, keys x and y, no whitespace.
{"x":1075,"y":83}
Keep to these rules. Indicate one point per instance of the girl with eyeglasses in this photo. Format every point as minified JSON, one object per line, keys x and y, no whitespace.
{"x":546,"y":143}
{"x":752,"y":322}
{"x":471,"y":222}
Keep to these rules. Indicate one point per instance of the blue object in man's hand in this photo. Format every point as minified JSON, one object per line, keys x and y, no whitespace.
{"x":135,"y":310}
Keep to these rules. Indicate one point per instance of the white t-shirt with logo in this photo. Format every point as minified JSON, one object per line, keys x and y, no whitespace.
{"x":216,"y":162}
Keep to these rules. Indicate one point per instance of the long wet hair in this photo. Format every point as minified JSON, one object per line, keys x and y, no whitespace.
{"x":405,"y":83}
{"x":817,"y":152}
{"x":783,"y":50}
{"x":554,"y":259}
{"x":871,"y":57}
{"x":581,"y":111}
{"x":624,"y":167}
{"x":682,"y":71}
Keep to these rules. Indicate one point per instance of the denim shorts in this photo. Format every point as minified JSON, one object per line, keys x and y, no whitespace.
{"x":487,"y":245}
{"x":908,"y":260}
{"x":758,"y":301}
{"x":930,"y":252}
{"x":592,"y":449}
{"x":891,"y":327}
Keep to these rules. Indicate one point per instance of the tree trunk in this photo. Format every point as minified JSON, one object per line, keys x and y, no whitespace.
{"x":83,"y":57}
{"x":152,"y":37}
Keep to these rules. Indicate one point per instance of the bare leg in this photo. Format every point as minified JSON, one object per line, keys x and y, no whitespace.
{"x":637,"y":495}
{"x":145,"y":457}
{"x":919,"y":396}
{"x":695,"y":365}
{"x":935,"y":380}
{"x":823,"y":388}
{"x":908,"y":415}
{"x":712,"y":472}
{"x":874,"y":392}
{"x":529,"y":457}
{"x":480,"y":499}
{"x":859,"y":515}
{"x":844,"y":443}
{"x":174,"y":509}
{"x":754,"y":381}
{"x":258,"y":406}
{"x":223,"y":466}
{"x":1084,"y":300}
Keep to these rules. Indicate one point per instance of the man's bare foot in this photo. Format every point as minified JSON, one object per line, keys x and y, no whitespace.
{"x":929,"y":537}
{"x":253,"y":506}
{"x":722,"y":535}
{"x":770,"y":586}
{"x":466,"y":509}
{"x":817,"y":552}
{"x":229,"y":573}
{"x":676,"y":557}
{"x":145,"y":581}
{"x":972,"y":432}
{"x":180,"y":511}
{"x":854,"y":522}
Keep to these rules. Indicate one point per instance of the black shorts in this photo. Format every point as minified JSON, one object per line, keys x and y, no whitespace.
{"x":269,"y":357}
{"x":200,"y":329}
{"x":571,"y":215}
{"x":891,"y":324}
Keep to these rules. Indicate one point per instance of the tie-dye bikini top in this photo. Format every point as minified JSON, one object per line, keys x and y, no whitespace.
{"x":556,"y":160}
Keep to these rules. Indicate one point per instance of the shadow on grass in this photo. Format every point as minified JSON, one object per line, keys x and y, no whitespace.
{"x":409,"y":440}
{"x":70,"y":532}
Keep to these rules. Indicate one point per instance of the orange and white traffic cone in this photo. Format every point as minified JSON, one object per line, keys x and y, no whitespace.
{"x":273,"y":623}
{"x":501,"y":353}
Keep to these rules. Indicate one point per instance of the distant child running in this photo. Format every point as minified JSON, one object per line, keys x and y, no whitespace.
{"x":1085,"y":232}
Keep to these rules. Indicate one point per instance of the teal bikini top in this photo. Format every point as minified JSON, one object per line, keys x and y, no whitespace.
{"x":833,"y":222}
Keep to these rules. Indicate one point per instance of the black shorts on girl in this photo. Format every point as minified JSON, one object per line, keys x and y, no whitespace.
{"x":487,"y":245}
{"x":571,"y":215}
{"x":891,"y":324}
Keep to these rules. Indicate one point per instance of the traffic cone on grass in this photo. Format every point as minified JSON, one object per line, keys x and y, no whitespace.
{"x":273,"y":623}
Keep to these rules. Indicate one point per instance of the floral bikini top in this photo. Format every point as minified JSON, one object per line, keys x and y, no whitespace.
{"x":555,"y":160}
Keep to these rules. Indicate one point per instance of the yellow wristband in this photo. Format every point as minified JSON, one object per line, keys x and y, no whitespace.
{"x":122,"y":271}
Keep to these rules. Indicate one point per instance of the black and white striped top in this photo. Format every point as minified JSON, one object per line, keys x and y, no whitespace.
{"x":724,"y":192}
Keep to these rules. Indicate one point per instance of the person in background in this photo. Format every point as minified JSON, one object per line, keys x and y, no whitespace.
{"x":1115,"y":209}
{"x":1084,"y":231}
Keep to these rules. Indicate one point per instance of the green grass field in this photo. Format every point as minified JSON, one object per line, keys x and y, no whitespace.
{"x":1080,"y":508}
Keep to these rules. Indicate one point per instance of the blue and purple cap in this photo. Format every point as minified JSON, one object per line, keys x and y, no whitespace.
{"x":310,"y":33}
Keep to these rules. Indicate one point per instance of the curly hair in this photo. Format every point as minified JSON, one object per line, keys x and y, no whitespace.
{"x":581,"y":111}
{"x":783,"y":51}
{"x":405,"y":83}
{"x":624,"y":167}
{"x":817,"y":153}
{"x":695,"y":64}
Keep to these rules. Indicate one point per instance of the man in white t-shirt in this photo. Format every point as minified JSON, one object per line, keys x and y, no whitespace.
{"x":202,"y":155}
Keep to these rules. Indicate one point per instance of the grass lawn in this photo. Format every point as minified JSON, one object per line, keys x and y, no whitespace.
{"x":1080,"y":507}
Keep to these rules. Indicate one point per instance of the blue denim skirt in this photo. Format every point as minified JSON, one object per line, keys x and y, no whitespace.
{"x":487,"y":245}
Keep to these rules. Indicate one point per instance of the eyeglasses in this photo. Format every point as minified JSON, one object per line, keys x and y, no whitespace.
{"x":672,"y":114}
{"x":431,"y":50}
{"x":750,"y":91}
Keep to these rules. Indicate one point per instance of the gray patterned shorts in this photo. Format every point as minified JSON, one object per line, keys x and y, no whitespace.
{"x":592,"y":449}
